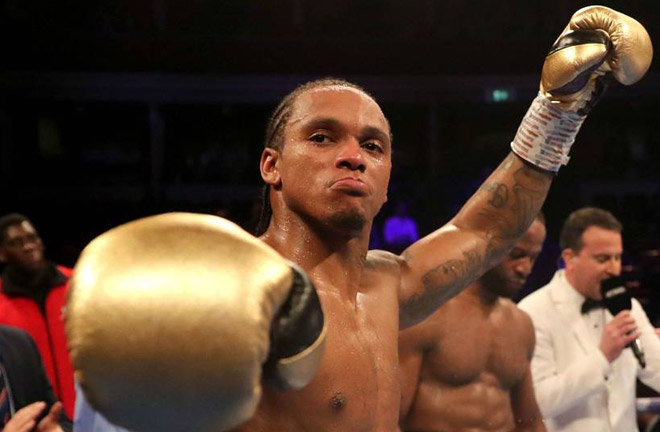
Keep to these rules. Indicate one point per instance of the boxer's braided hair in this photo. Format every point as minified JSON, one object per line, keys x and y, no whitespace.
{"x":275,"y":133}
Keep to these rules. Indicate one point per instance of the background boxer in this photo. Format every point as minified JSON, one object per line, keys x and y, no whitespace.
{"x":467,"y":367}
{"x":327,"y":163}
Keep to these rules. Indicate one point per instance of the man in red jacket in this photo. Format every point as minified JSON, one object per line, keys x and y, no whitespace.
{"x":33,"y":296}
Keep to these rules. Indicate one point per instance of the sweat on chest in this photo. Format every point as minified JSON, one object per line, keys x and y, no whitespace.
{"x":359,"y":370}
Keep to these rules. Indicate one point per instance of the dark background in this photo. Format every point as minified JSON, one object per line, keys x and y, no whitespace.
{"x":112,"y":110}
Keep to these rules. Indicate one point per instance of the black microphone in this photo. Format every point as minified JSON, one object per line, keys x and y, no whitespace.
{"x":616,"y":299}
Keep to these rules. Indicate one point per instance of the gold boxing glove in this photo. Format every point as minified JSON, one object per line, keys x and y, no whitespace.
{"x":597,"y":45}
{"x":174,"y":321}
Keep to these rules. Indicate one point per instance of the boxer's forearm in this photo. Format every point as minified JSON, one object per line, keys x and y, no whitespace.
{"x":504,"y":207}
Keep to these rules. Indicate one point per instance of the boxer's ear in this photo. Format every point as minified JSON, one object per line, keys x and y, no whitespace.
{"x":269,"y":166}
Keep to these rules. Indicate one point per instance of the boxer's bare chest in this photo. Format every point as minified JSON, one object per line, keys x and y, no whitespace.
{"x":477,"y":347}
{"x":356,"y":387}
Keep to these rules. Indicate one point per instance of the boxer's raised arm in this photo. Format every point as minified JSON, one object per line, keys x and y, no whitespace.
{"x":443,"y":263}
{"x":598,"y":44}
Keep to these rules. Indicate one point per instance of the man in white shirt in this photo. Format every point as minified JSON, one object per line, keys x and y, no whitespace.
{"x":584,"y":377}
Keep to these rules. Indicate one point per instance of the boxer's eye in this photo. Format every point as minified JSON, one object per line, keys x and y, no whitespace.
{"x":373,"y":147}
{"x":319,"y":138}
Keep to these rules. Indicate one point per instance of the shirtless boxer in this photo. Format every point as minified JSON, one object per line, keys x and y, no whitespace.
{"x":327,"y":162}
{"x":467,"y":367}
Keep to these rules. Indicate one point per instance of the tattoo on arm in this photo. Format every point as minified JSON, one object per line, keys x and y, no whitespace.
{"x":530,"y":188}
{"x":499,"y":213}
{"x":454,"y":272}
{"x":510,"y":210}
{"x":441,"y":283}
{"x":500,"y":194}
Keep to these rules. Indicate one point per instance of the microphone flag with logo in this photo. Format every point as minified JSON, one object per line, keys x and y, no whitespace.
{"x":616,"y":299}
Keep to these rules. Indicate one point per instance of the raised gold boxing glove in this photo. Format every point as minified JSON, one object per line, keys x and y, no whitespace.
{"x":174,"y":321}
{"x":597,"y":45}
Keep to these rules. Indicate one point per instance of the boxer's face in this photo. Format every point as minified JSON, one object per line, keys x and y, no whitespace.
{"x":510,"y":275}
{"x":336,"y":157}
{"x":22,"y":247}
{"x":599,"y":259}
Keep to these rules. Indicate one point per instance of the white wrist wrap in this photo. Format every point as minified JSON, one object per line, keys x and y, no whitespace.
{"x":546,"y":134}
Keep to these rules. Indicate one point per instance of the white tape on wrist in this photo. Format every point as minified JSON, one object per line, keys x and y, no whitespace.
{"x":546,"y":134}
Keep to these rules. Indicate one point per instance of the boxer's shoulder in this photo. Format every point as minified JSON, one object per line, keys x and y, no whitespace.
{"x":380,"y":260}
{"x":515,"y":322}
{"x":510,"y":313}
{"x":508,"y":307}
{"x":382,"y":256}
{"x":381,"y":275}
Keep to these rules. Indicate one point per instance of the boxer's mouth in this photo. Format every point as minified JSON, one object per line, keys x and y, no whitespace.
{"x":352,"y":185}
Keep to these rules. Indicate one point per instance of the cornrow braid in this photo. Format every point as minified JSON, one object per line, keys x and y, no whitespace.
{"x":281,"y":115}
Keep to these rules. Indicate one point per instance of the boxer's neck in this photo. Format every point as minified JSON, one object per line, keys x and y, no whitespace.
{"x":482,"y":295}
{"x":329,"y":257}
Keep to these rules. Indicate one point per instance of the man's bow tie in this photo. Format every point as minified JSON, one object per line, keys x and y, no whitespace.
{"x":590,"y":304}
